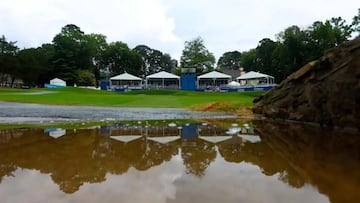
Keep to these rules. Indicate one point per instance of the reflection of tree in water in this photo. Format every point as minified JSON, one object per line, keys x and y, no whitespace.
{"x":155,"y":154}
{"x":79,"y":157}
{"x":260,"y":154}
{"x":327,"y":159}
{"x":197,"y":158}
{"x":6,"y":170}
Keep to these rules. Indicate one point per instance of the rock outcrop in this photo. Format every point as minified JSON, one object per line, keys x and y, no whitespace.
{"x":326,"y":91}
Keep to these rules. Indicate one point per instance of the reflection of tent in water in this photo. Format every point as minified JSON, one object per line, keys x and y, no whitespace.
{"x":126,"y":138}
{"x":215,"y":139}
{"x":250,"y":138}
{"x":55,"y":132}
{"x":164,"y":139}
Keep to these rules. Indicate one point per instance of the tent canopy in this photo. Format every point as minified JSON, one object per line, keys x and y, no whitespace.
{"x":57,"y":81}
{"x":163,"y":80}
{"x":125,"y":76}
{"x":214,"y":74}
{"x":162,"y":74}
{"x":253,"y":75}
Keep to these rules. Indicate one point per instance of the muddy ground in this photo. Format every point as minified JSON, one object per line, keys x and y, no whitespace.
{"x":40,"y":113}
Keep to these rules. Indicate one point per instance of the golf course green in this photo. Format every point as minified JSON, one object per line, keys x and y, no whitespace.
{"x":139,"y":98}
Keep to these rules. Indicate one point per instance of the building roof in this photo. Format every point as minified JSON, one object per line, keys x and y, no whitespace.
{"x":234,"y":73}
{"x":163,"y":74}
{"x":252,"y":75}
{"x":214,"y":74}
{"x":125,"y":76}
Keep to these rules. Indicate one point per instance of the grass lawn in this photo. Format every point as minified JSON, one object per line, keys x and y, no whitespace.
{"x":140,"y":98}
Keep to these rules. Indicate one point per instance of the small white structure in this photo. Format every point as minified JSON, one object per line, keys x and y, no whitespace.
{"x":125,"y":81}
{"x":162,"y":80}
{"x":253,"y":78}
{"x":58,"y":82}
{"x":234,"y":84}
{"x":213,"y":79}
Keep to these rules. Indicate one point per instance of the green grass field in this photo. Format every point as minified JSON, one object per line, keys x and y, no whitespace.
{"x":140,"y":98}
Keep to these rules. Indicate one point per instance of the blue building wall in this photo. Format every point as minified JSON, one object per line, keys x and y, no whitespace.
{"x":104,"y":85}
{"x":188,"y":82}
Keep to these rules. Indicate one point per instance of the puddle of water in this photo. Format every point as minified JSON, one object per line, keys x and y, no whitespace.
{"x":170,"y":161}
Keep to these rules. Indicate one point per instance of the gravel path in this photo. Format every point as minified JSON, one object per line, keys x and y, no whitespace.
{"x":39,"y":113}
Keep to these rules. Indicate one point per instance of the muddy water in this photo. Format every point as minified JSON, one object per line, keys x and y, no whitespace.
{"x":168,"y":161}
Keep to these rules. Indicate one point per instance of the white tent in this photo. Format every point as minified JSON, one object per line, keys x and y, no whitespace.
{"x":213,"y":78}
{"x":58,"y":82}
{"x":215,"y":139}
{"x":255,"y":78}
{"x":164,"y":139}
{"x":57,"y":132}
{"x":234,"y":84}
{"x":125,"y":80}
{"x":162,"y":80}
{"x":126,"y":138}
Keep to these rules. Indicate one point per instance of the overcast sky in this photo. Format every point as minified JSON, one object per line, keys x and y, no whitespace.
{"x":224,"y":25}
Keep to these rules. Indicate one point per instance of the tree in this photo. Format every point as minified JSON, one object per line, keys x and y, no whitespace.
{"x":249,"y":59}
{"x":45,"y":56}
{"x":9,"y":65}
{"x":85,"y":78}
{"x":154,"y":60}
{"x":265,"y":58}
{"x":230,"y":60}
{"x":356,"y":23}
{"x":195,"y":54}
{"x":97,"y":45}
{"x":30,"y":66}
{"x":290,"y":55}
{"x":119,"y":59}
{"x":71,"y":53}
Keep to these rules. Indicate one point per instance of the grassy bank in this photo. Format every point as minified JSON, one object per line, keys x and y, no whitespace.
{"x":141,"y":98}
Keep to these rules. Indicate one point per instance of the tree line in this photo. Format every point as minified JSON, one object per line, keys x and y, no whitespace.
{"x":293,"y":47}
{"x":77,"y":58}
{"x":86,"y":59}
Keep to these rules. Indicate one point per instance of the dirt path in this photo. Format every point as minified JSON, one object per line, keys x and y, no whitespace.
{"x":35,"y":113}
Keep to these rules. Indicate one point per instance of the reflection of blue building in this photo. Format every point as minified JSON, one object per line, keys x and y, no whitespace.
{"x":105,"y":129}
{"x":189,"y":131}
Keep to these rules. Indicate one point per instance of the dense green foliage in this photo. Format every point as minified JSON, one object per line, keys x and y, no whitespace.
{"x":141,"y":98}
{"x":154,"y":60}
{"x":196,"y":55}
{"x":230,"y":60}
{"x":296,"y":46}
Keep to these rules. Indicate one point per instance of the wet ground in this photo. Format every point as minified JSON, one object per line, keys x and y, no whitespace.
{"x":40,"y":113}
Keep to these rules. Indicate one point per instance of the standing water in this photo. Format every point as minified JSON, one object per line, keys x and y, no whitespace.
{"x":174,"y":161}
